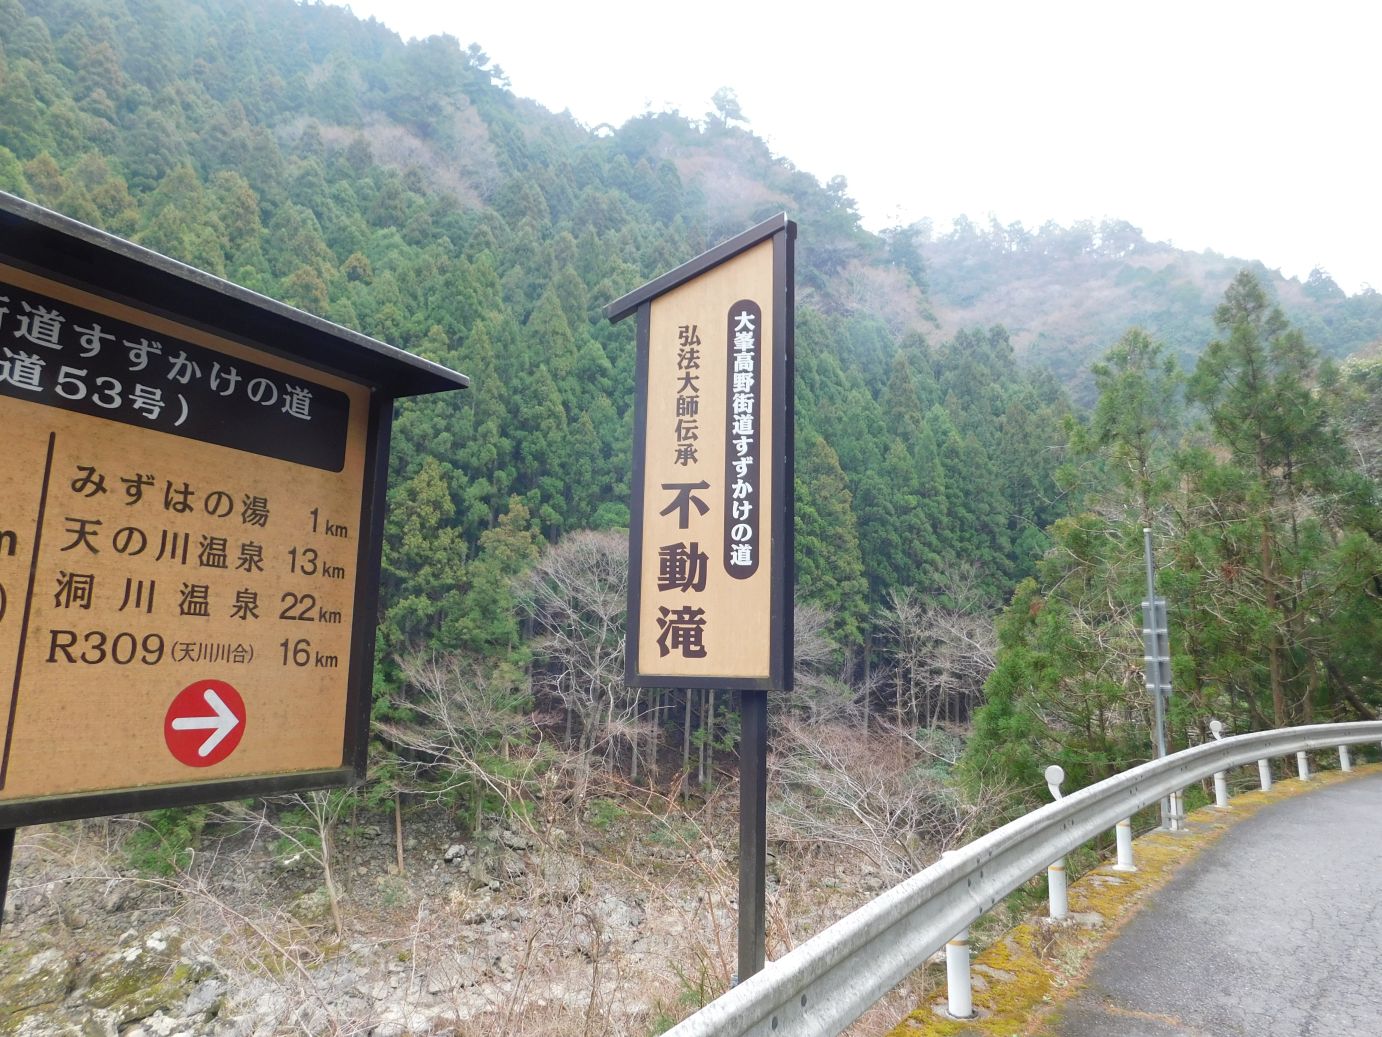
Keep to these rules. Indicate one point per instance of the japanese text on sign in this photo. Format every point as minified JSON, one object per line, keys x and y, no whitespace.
{"x":68,"y":357}
{"x":742,"y":461}
{"x":149,"y":549}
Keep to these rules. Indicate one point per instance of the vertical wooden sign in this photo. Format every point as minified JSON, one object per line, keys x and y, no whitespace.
{"x":710,"y":559}
{"x":710,"y":538}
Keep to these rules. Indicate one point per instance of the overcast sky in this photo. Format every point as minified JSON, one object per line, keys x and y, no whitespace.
{"x":1248,"y":128}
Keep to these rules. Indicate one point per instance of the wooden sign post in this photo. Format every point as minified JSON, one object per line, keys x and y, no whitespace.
{"x":710,"y":545}
{"x":191,"y":504}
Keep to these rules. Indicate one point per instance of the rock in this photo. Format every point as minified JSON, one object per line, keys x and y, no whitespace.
{"x":159,"y":1025}
{"x":515,"y":840}
{"x":295,"y":862}
{"x":141,"y":979}
{"x":400,"y":1020}
{"x":482,"y":911}
{"x":43,"y":980}
{"x":561,"y":878}
{"x":312,"y":908}
{"x":616,"y":913}
{"x":479,"y":873}
{"x":455,"y":852}
{"x":206,"y":999}
{"x":585,"y":943}
{"x":66,"y":1022}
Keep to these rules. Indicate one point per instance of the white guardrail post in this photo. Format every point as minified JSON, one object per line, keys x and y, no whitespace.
{"x":1123,"y":834}
{"x":1345,"y":761}
{"x":1055,"y":871}
{"x":959,"y":986}
{"x":823,"y":985}
{"x":1303,"y":765}
{"x":1264,"y":774}
{"x":1216,"y":728}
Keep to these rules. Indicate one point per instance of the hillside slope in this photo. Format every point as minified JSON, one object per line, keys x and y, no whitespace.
{"x":1066,"y":294}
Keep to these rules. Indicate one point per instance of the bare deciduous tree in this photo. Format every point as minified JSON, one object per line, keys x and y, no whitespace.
{"x":467,"y":719}
{"x":575,"y":597}
{"x":881,"y":795}
{"x":940,"y":655}
{"x":821,"y":692}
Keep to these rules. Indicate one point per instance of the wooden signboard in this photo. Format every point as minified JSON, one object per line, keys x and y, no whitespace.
{"x":710,"y":538}
{"x":190,"y":517}
{"x":711,"y":529}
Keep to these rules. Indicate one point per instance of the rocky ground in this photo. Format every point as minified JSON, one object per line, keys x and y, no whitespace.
{"x":616,"y":918}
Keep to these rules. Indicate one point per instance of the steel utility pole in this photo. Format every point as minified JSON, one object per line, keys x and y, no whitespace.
{"x":1156,"y":660}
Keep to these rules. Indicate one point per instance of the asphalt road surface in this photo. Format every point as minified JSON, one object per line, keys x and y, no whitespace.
{"x":1274,"y":931}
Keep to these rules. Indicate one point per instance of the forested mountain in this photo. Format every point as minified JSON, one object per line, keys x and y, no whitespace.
{"x":405,"y":191}
{"x":1066,"y":293}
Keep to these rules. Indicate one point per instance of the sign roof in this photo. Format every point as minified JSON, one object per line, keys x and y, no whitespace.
{"x":625,"y":305}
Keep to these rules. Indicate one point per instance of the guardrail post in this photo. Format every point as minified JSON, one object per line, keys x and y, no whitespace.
{"x":1055,"y":873}
{"x":1123,"y":832}
{"x":1177,"y":812}
{"x":1264,"y":774}
{"x":1345,"y":761}
{"x":959,"y":987}
{"x":1216,"y":728}
{"x":1055,"y":884}
{"x":1302,"y":766}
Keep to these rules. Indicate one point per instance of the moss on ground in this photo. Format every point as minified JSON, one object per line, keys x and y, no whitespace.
{"x":1023,"y":977}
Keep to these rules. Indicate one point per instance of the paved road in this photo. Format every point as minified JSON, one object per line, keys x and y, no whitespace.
{"x":1275,"y":931}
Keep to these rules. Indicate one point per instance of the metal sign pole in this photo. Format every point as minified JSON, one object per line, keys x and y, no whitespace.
{"x":1153,"y":640}
{"x":753,"y":831}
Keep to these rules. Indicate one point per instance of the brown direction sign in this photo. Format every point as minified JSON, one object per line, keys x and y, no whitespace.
{"x":190,"y":517}
{"x":711,"y":523}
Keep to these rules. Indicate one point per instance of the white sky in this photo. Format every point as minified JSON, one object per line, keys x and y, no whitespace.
{"x":1254,"y":129}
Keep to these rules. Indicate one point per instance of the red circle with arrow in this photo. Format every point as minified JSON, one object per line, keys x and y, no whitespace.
{"x":204,"y":723}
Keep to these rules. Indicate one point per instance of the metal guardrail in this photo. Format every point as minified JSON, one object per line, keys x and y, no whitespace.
{"x":822,"y":986}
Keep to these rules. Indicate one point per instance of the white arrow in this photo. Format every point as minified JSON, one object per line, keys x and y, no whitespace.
{"x":222,"y":724}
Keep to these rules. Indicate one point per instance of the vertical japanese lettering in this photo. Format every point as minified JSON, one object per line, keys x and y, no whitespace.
{"x":743,"y":438}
